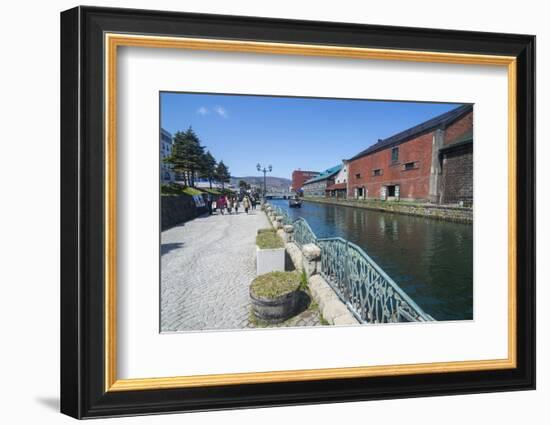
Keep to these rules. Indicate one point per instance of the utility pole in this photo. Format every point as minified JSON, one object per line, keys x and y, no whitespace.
{"x":265,"y":171}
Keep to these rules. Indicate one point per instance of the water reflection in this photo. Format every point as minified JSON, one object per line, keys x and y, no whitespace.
{"x":431,"y":260}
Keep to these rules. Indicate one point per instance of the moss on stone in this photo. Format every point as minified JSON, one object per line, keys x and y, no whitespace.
{"x":275,"y":284}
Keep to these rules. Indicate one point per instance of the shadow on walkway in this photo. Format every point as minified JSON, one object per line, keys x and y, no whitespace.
{"x":165,"y":248}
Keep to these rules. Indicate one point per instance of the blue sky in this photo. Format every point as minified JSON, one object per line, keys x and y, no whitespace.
{"x":288,"y":133}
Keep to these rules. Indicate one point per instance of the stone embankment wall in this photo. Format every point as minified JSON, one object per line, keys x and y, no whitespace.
{"x":176,"y":209}
{"x":439,"y":212}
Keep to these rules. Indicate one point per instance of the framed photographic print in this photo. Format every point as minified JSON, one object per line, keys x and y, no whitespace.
{"x":261,"y":212}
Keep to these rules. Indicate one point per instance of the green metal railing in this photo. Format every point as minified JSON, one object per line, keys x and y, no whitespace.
{"x":302,"y":233}
{"x":280,"y":212}
{"x":368,"y":292}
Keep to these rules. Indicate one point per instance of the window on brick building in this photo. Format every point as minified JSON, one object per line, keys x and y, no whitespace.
{"x":410,"y":166}
{"x":358,"y":176}
{"x":394,"y":155}
{"x":377,"y":172}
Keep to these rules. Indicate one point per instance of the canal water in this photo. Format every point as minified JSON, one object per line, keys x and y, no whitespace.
{"x":431,"y":260}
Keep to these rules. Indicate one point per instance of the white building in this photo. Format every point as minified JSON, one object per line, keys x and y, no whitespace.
{"x":166,"y":142}
{"x":342,"y":176}
{"x":339,"y":188}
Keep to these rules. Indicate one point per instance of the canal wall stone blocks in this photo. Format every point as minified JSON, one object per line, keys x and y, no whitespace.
{"x":178,"y":209}
{"x":278,"y":222}
{"x":333,"y":310}
{"x":311,"y":252}
{"x":312,"y":257}
{"x":295,"y":254}
{"x":288,"y":232}
{"x":438,"y":212}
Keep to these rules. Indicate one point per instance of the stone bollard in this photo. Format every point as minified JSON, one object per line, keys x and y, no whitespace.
{"x":289,"y":231}
{"x":312,"y":259}
{"x":278,"y":222}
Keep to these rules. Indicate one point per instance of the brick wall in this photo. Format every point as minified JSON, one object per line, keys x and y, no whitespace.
{"x":413,"y":184}
{"x":458,"y":128}
{"x":299,"y":177}
{"x":458,"y":172}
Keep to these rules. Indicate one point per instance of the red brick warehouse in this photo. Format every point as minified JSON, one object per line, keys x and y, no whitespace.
{"x":431,"y":162}
{"x":299,"y":177}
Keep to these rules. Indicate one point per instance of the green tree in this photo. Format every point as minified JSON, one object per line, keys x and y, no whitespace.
{"x":209,"y":167}
{"x":243,"y":185}
{"x":187,"y":155}
{"x":222,"y":173}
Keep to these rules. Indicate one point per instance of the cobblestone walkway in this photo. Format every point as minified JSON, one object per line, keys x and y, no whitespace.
{"x":207,"y":265}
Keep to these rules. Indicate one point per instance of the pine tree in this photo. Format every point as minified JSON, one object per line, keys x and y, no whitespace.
{"x":222,"y":173}
{"x":209,"y":166}
{"x":187,"y":155}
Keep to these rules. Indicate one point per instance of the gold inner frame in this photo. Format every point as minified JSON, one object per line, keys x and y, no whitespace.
{"x":113,"y":41}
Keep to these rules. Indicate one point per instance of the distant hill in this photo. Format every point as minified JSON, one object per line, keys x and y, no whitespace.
{"x":275,"y":183}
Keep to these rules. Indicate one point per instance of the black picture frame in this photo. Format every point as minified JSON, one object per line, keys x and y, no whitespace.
{"x":83,"y":392}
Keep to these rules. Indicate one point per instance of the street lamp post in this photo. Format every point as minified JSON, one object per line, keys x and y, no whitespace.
{"x":265,"y":171}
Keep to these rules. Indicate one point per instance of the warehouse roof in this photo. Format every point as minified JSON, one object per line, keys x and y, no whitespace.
{"x":325,"y":174}
{"x":441,"y":121}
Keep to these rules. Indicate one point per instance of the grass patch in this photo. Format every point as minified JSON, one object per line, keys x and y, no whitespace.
{"x":171,"y":189}
{"x":275,"y":284}
{"x":303,"y":282}
{"x":269,"y":240}
{"x":191,"y":191}
{"x":178,"y":189}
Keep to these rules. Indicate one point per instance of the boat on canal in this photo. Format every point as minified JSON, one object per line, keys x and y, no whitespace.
{"x":295,"y":202}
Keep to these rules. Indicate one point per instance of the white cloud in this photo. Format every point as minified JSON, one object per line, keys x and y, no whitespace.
{"x":203,"y":111}
{"x":221,"y":111}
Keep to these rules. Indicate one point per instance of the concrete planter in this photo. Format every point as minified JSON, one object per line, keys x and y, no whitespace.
{"x":276,"y":309}
{"x":270,"y":260}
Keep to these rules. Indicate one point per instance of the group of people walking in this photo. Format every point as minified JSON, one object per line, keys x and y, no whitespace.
{"x":232,"y":204}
